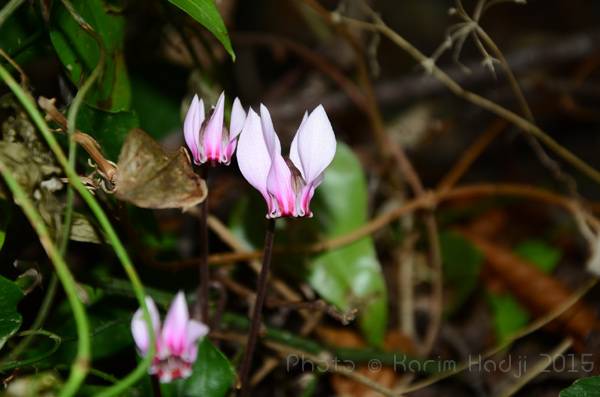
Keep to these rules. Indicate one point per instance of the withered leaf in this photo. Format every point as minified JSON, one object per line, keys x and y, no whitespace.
{"x":150,"y":178}
{"x":83,"y":231}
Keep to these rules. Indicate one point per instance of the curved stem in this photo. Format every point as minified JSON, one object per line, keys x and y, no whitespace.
{"x":261,"y":291}
{"x":80,"y":366}
{"x":110,"y":232}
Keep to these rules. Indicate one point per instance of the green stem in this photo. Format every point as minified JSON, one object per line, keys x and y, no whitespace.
{"x":111,"y":235}
{"x":80,"y":366}
{"x":8,"y":9}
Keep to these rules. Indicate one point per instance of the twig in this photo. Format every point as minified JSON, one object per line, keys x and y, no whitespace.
{"x":452,"y":85}
{"x":538,"y":368}
{"x":230,"y":239}
{"x":534,"y":326}
{"x":430,"y":200}
{"x":261,"y":292}
{"x":332,"y":366}
{"x":415,"y":86}
{"x":469,"y":156}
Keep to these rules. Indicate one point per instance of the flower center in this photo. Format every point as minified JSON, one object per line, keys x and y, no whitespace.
{"x":171,"y":368}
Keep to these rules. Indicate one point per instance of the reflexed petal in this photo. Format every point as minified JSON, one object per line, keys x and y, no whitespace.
{"x":238,"y":116}
{"x":195,"y":332}
{"x":213,"y":131}
{"x":139,"y":329}
{"x":252,"y":155}
{"x":294,"y":156}
{"x":191,"y":126}
{"x":174,"y":332}
{"x":316,"y":144}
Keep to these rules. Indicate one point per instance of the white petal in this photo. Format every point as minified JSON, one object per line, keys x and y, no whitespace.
{"x":238,"y":116}
{"x":174,"y":332}
{"x":252,"y":154}
{"x":316,"y":144}
{"x":195,"y":332}
{"x":271,"y":138}
{"x":294,"y":156}
{"x":139,"y":330}
{"x":191,"y":126}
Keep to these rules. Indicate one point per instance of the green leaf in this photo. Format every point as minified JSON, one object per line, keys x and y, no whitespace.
{"x":509,"y":315}
{"x":350,"y":276}
{"x":109,"y":129}
{"x":541,"y":254}
{"x":212,"y":376}
{"x":10,"y":319}
{"x":79,"y":52}
{"x":585,"y":387}
{"x":206,"y":13}
{"x":462,"y":264}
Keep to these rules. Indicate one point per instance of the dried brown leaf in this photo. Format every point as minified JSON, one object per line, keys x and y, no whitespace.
{"x":150,"y":178}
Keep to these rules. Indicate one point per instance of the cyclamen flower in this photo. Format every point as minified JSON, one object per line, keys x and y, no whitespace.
{"x":286,"y":185}
{"x":209,"y":140}
{"x":176,"y":341}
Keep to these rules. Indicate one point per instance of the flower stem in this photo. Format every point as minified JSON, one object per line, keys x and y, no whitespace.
{"x":204,"y":273}
{"x":156,"y":392}
{"x":261,"y":290}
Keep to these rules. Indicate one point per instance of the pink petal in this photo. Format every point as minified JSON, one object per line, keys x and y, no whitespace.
{"x":174,"y":332}
{"x":191,"y":126}
{"x":139,"y":330}
{"x":238,"y":116}
{"x":252,"y":155}
{"x":196,"y":331}
{"x":316,"y":144}
{"x":294,"y":156}
{"x":213,"y":131}
{"x":306,"y":196}
{"x":279,"y":185}
{"x":279,"y":180}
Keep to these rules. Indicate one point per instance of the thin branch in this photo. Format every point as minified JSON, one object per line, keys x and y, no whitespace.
{"x":452,"y":85}
{"x":538,"y":368}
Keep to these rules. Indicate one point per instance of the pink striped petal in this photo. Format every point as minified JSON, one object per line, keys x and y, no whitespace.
{"x":253,"y":156}
{"x":139,"y":330}
{"x":212,"y":137}
{"x":316,"y":144}
{"x":174,"y":332}
{"x":191,"y":127}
